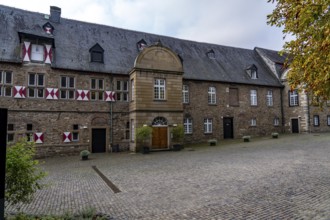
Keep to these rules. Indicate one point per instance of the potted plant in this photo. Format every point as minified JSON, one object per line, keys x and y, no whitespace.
{"x":143,"y":135}
{"x":177,"y":137}
{"x":84,"y":154}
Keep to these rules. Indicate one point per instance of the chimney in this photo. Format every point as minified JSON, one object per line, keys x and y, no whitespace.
{"x":55,"y":14}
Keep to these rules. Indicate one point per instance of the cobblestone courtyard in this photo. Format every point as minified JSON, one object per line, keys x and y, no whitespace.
{"x":285,"y":178}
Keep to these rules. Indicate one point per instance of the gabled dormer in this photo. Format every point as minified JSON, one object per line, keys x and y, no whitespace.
{"x":210,"y":54}
{"x":96,"y":54}
{"x":48,"y":28}
{"x":141,"y":45}
{"x":252,"y":71}
{"x":36,"y":49}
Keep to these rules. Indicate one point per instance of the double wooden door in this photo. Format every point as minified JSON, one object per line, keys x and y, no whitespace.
{"x":159,"y":138}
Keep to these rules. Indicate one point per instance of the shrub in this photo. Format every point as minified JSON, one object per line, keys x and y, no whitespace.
{"x":22,"y":173}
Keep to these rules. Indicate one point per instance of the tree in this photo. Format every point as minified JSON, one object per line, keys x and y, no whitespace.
{"x":308,"y":21}
{"x":22,"y":173}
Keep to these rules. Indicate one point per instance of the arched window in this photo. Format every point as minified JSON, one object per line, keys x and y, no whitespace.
{"x":159,"y":121}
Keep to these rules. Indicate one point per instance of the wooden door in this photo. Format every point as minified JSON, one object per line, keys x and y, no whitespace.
{"x":159,"y":138}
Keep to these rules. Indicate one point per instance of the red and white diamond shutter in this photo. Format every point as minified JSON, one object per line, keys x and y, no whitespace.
{"x":67,"y":137}
{"x":48,"y":54}
{"x":52,"y":93}
{"x":82,"y":95}
{"x":19,"y":92}
{"x":26,"y":51}
{"x":109,"y":96}
{"x":38,"y":137}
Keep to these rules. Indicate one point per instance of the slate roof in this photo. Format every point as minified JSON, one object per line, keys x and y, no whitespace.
{"x":73,"y":40}
{"x":276,"y":58}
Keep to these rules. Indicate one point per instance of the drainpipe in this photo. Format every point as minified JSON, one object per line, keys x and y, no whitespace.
{"x":111,"y":115}
{"x":282,"y":110}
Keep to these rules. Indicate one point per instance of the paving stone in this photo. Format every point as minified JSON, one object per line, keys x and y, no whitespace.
{"x":285,"y":178}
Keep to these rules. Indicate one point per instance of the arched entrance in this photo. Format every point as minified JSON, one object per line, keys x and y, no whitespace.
{"x":159,"y":133}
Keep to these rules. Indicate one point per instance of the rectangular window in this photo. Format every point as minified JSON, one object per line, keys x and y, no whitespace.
{"x":212,"y":95}
{"x":269,"y":98}
{"x":122,"y":91}
{"x":29,"y":133}
{"x":276,"y":121}
{"x":132,"y":89}
{"x":127,"y":131}
{"x":132,"y":130}
{"x":159,"y":89}
{"x":253,"y":122}
{"x":253,"y":97}
{"x":233,"y":97}
{"x":37,"y":52}
{"x":36,"y":84}
{"x":187,"y":125}
{"x":75,"y":132}
{"x":185,"y":94}
{"x":67,"y":87}
{"x":97,"y":89}
{"x":10,"y":132}
{"x":207,"y":125}
{"x":328,"y":120}
{"x":316,"y":120}
{"x":293,"y":98}
{"x":6,"y":81}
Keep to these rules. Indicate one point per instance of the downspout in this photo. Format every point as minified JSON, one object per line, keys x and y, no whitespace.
{"x":111,"y":115}
{"x":282,"y":111}
{"x":308,"y":115}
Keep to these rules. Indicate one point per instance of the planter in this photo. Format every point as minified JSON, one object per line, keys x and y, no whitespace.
{"x":213,"y":142}
{"x":177,"y":147}
{"x":84,"y":157}
{"x":145,"y":150}
{"x":246,"y":138}
{"x":275,"y":135}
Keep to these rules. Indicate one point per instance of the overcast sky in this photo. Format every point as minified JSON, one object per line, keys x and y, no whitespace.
{"x":237,"y":23}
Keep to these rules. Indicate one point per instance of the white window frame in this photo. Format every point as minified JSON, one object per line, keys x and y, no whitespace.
{"x":253,"y":122}
{"x":269,"y":98}
{"x":316,"y":120}
{"x":35,"y":89}
{"x":208,"y":128}
{"x":212,"y":95}
{"x":159,"y":89}
{"x":67,"y":89}
{"x":185,"y":94}
{"x":122,"y":90}
{"x":37,"y":52}
{"x":254,"y":97}
{"x":75,"y":131}
{"x":6,"y":87}
{"x":276,"y":121}
{"x":97,"y":89}
{"x":132,"y":89}
{"x":187,"y":125}
{"x":293,"y":98}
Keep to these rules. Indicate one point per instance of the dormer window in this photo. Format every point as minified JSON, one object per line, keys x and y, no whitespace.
{"x":210,"y":54}
{"x":141,"y":45}
{"x":252,"y":71}
{"x":48,"y":28}
{"x":97,"y":54}
{"x":37,"y":52}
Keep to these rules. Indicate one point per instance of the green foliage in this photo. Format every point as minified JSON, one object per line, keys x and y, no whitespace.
{"x":143,"y":134}
{"x":178,"y":133}
{"x":308,"y":21}
{"x":84,"y":153}
{"x":22,"y":173}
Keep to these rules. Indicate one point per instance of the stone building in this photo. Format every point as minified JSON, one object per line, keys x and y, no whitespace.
{"x":71,"y":85}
